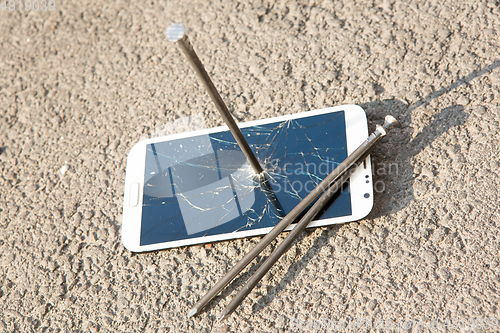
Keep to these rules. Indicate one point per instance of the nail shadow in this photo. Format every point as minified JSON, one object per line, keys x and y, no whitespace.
{"x":297,"y":267}
{"x":393,"y":175}
{"x":401,"y":187}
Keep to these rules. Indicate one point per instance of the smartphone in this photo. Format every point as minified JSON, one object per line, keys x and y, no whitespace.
{"x":198,"y":187}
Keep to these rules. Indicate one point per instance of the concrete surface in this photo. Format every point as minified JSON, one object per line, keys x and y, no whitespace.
{"x":81,"y":84}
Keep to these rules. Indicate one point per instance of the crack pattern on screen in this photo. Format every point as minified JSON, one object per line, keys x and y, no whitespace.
{"x":203,"y":185}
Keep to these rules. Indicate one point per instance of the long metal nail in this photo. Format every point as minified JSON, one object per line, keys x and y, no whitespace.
{"x":359,"y":154}
{"x":354,"y":159}
{"x":177,"y":33}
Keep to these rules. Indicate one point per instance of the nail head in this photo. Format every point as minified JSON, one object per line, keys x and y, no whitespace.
{"x":175,"y":32}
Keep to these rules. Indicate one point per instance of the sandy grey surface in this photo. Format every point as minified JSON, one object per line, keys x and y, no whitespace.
{"x":81,"y":84}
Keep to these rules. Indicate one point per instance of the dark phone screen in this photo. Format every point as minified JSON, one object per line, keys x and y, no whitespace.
{"x":203,"y":185}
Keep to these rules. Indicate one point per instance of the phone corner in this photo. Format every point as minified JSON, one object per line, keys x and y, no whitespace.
{"x":131,"y":246}
{"x":136,"y":149}
{"x":366,"y":208}
{"x":360,"y":112}
{"x":130,"y":243}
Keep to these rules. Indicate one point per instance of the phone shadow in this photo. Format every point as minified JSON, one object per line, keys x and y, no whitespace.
{"x":393,"y":176}
{"x":396,"y":182}
{"x":392,"y":168}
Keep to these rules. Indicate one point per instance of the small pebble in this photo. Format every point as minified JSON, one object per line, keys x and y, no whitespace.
{"x":31,"y":188}
{"x":371,"y":305}
{"x":64,"y":169}
{"x":88,"y":214}
{"x":427,"y":172}
{"x":10,"y":175}
{"x":462,"y":100}
{"x":364,"y":230}
{"x":480,"y":110}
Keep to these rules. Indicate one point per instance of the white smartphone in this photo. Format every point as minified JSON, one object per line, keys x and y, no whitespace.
{"x":198,"y":187}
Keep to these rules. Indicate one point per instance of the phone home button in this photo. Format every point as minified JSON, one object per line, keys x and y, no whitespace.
{"x":133,"y":198}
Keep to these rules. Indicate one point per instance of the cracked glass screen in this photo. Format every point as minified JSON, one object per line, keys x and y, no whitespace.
{"x":203,"y":185}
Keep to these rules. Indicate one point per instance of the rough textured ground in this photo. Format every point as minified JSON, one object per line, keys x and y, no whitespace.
{"x":80,"y":85}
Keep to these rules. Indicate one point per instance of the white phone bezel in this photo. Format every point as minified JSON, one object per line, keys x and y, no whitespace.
{"x":360,"y":185}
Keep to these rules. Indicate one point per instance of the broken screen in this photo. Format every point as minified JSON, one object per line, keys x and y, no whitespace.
{"x":203,"y":185}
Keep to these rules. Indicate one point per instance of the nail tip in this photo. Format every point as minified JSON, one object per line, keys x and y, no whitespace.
{"x":222,"y":317}
{"x":192,"y":312}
